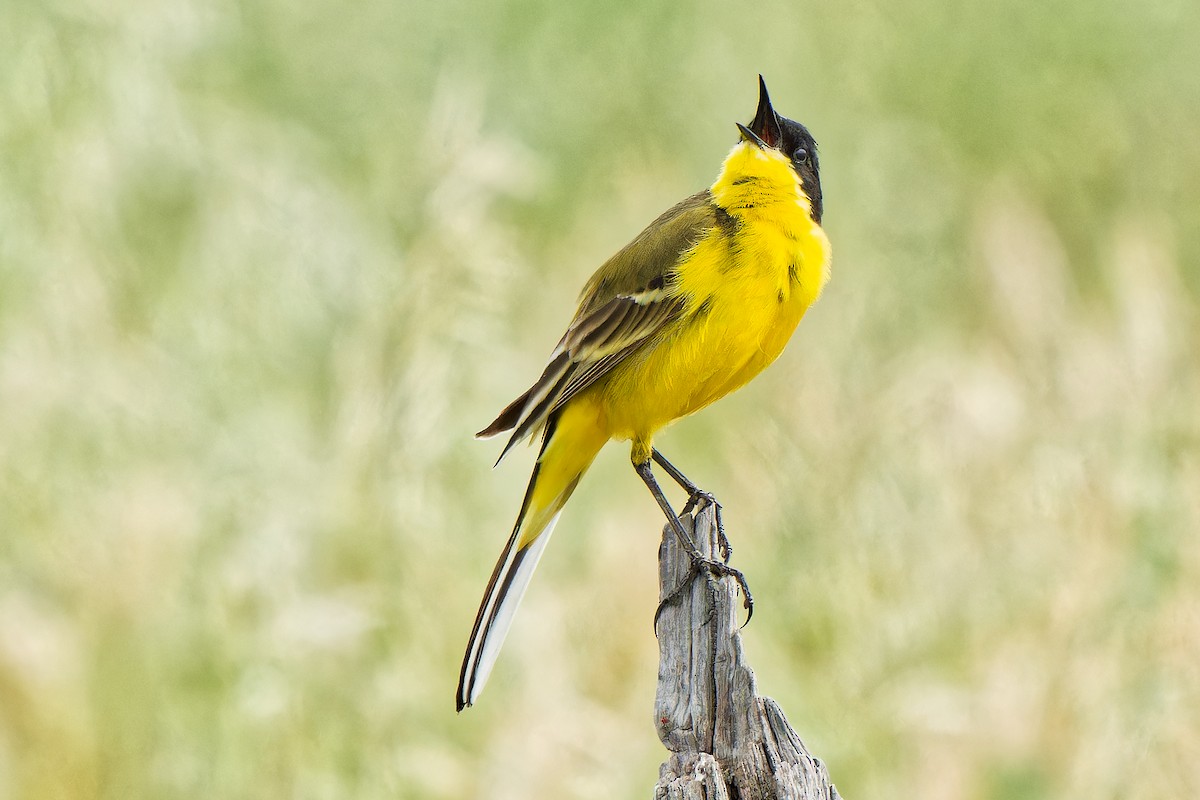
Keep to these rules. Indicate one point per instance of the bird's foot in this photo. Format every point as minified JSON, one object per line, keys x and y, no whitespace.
{"x":717,"y":569}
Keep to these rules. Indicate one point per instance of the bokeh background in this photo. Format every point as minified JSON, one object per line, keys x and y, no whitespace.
{"x":265,"y":266}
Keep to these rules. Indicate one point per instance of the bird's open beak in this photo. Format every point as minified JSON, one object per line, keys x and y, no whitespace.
{"x":750,"y":136}
{"x":765,"y":127}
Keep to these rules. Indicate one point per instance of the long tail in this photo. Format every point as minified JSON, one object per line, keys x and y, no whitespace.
{"x":571,"y":442}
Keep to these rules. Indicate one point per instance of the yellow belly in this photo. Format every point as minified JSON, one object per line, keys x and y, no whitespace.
{"x":745,"y":297}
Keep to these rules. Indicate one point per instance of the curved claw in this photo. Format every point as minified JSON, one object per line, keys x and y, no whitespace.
{"x":747,"y":604}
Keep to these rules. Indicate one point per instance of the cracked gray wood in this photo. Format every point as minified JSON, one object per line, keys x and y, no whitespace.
{"x":725,"y":741}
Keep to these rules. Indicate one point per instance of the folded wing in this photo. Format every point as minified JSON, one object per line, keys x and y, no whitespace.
{"x":624,"y":307}
{"x":594,"y":344}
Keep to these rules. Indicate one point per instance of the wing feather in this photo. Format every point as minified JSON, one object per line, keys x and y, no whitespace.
{"x":624,"y":306}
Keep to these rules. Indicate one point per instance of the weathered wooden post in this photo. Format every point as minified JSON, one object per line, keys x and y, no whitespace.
{"x":725,"y":741}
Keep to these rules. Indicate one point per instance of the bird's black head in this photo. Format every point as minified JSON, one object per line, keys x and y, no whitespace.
{"x":793,"y":140}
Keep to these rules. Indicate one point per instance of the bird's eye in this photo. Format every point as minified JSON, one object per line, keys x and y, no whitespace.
{"x":800,"y":155}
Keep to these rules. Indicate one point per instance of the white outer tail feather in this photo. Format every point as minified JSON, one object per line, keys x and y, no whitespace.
{"x":500,"y":608}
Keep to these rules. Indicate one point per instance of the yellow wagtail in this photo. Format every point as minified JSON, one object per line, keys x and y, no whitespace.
{"x":690,"y":310}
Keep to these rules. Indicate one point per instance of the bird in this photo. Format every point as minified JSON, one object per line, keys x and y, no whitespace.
{"x":694,"y":307}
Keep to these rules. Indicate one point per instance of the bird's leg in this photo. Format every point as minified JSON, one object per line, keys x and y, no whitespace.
{"x":696,"y":496}
{"x":715,"y":567}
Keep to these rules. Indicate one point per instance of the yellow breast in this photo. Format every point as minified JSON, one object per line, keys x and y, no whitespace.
{"x":747,"y":304}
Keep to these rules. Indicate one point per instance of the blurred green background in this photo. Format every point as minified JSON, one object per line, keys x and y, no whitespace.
{"x":265,"y":267}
